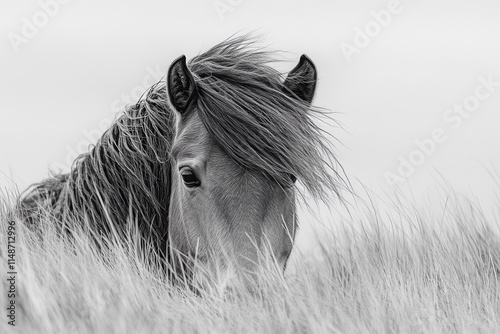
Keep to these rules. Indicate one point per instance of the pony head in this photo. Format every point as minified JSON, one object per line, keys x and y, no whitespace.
{"x":242,"y":137}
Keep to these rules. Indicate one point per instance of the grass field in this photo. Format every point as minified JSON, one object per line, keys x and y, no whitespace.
{"x":404,"y":270}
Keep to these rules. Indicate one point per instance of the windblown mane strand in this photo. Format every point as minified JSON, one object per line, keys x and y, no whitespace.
{"x":242,"y":103}
{"x":127,"y":171}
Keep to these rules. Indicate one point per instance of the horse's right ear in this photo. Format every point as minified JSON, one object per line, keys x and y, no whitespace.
{"x":180,"y":85}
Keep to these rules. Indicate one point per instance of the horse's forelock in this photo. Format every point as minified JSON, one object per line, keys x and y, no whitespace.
{"x":243,"y":105}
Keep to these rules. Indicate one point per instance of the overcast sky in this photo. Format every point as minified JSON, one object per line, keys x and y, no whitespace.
{"x":395,"y":73}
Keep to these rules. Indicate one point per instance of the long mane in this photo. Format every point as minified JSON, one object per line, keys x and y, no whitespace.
{"x":126,"y":175}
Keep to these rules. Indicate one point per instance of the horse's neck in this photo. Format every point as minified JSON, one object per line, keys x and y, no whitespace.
{"x":128,"y":170}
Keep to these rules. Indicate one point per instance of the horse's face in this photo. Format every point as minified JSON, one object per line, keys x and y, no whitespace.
{"x":221,"y":210}
{"x":221,"y":213}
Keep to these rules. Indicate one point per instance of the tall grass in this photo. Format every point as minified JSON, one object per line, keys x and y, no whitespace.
{"x":406,"y":269}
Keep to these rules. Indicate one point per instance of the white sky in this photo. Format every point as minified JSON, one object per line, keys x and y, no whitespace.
{"x":76,"y":69}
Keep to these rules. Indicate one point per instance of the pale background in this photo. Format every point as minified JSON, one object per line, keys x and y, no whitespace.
{"x":92,"y":56}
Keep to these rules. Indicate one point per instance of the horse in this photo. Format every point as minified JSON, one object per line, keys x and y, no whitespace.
{"x":206,"y":163}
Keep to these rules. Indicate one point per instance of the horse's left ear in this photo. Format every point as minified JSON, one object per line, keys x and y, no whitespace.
{"x":301,"y":81}
{"x":181,"y":86}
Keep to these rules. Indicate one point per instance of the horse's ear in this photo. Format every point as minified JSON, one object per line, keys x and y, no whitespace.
{"x":301,"y":81}
{"x":181,"y":86}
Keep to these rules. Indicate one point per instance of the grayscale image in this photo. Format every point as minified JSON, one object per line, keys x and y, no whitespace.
{"x":232,"y":166}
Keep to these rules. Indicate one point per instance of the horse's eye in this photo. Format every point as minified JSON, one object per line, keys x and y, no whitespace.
{"x":293,"y":178}
{"x":189,"y":178}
